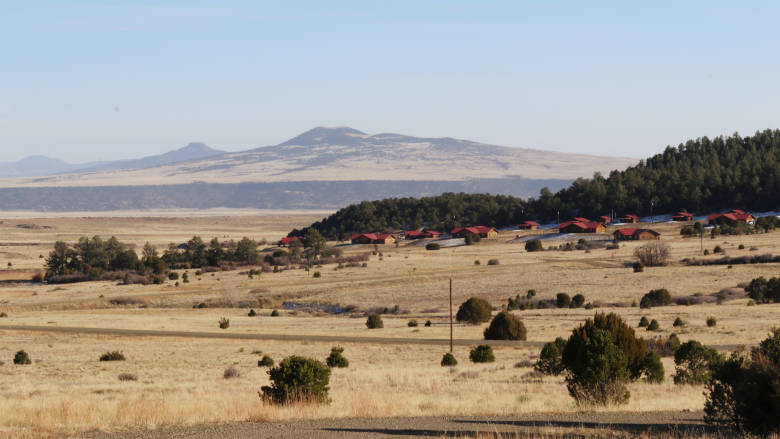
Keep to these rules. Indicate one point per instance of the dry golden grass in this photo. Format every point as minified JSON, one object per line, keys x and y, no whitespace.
{"x":180,"y":380}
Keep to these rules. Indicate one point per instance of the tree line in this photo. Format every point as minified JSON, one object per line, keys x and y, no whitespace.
{"x":701,"y":175}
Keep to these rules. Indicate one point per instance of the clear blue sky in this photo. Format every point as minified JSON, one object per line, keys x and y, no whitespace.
{"x":118,"y":79}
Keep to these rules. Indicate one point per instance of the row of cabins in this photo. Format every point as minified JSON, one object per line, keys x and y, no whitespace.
{"x":576,"y":225}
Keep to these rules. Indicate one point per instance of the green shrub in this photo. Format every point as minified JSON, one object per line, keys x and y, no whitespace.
{"x":492,"y":261}
{"x":601,"y":357}
{"x":562,"y":300}
{"x":530,"y":293}
{"x":600,"y":374}
{"x":336,"y":358}
{"x":474,"y":311}
{"x":317,"y":274}
{"x":112,"y":356}
{"x":374,"y":321}
{"x":297,"y":380}
{"x":185,"y":278}
{"x":577,"y":301}
{"x":762,"y":290}
{"x":22,"y":357}
{"x":711,"y":321}
{"x":477,"y":262}
{"x":589,"y":306}
{"x":659,"y":297}
{"x":645,"y":303}
{"x":533,"y":245}
{"x":654,"y":368}
{"x":653,"y":326}
{"x":482,"y":354}
{"x":412,"y":323}
{"x":224,"y":323}
{"x":428,"y":323}
{"x":693,"y":362}
{"x":252,"y":313}
{"x":275,"y":313}
{"x":542,"y":304}
{"x":550,"y":361}
{"x":638,"y":267}
{"x":173,"y":275}
{"x":505,"y":326}
{"x":678,"y":322}
{"x":673,"y":343}
{"x":741,"y":246}
{"x":644,"y":322}
{"x":432,"y":246}
{"x":448,"y":360}
{"x":744,"y":392}
{"x":266,"y":361}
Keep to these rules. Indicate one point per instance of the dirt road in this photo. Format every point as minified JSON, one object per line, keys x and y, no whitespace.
{"x":250,"y":336}
{"x":568,"y":425}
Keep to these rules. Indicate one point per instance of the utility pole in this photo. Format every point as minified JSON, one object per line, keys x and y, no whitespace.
{"x":450,"y":315}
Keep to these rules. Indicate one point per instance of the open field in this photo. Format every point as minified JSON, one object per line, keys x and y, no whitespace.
{"x":180,"y":379}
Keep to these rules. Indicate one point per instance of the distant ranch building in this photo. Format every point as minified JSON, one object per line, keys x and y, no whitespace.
{"x":421,"y":234}
{"x":372,"y":238}
{"x":735,"y":216}
{"x":529,"y":225}
{"x":635,"y":235}
{"x":287,"y":240}
{"x":603,"y":219}
{"x":582,"y":227}
{"x":683,"y":216}
{"x":629,"y":218}
{"x":482,"y":231}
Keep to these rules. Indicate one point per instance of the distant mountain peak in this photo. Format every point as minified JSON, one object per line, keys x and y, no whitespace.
{"x":327,"y":135}
{"x":198,"y":147}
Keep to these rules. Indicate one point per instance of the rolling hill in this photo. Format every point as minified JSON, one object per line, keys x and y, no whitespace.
{"x":355,"y":165}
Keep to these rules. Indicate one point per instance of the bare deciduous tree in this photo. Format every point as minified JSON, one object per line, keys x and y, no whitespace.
{"x":653,"y":254}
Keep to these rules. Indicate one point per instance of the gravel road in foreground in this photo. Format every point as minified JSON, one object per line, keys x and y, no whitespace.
{"x":619,"y":424}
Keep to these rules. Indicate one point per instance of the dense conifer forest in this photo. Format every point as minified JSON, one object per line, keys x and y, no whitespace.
{"x":700,"y":176}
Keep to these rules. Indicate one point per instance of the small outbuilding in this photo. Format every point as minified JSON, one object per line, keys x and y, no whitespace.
{"x":635,"y":234}
{"x":421,"y":234}
{"x":604,"y":219}
{"x":629,"y":218}
{"x":287,"y":240}
{"x":529,"y":225}
{"x":372,"y":238}
{"x":482,"y":231}
{"x":582,"y":227}
{"x":683,"y":216}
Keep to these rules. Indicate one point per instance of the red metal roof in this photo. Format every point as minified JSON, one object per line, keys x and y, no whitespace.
{"x":580,"y":219}
{"x":531,"y":223}
{"x":625,"y":232}
{"x":477,"y":230}
{"x":289,"y":239}
{"x":630,"y":215}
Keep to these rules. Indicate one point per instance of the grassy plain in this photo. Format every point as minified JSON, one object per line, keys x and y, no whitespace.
{"x":180,"y":381}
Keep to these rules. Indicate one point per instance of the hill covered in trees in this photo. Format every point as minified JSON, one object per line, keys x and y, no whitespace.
{"x":700,"y":176}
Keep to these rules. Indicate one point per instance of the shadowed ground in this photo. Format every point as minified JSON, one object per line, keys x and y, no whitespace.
{"x":564,"y":425}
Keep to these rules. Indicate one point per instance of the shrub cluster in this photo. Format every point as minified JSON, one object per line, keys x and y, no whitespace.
{"x":224,"y":323}
{"x":22,"y":357}
{"x":266,"y":361}
{"x":297,"y":380}
{"x":505,"y":326}
{"x":113,"y":356}
{"x":550,"y":359}
{"x":482,"y":354}
{"x":374,"y":321}
{"x":693,"y":363}
{"x":448,"y":360}
{"x":744,"y":391}
{"x":336,"y":358}
{"x":762,"y":290}
{"x":474,"y":311}
{"x":534,"y":245}
{"x":659,"y":297}
{"x":601,"y":357}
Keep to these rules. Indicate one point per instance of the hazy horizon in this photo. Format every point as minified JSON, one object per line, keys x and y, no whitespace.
{"x":95,"y":81}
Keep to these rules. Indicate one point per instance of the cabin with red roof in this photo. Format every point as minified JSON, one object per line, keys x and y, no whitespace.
{"x":683,"y":216}
{"x":372,"y":238}
{"x":603,"y":219}
{"x":582,"y":227}
{"x":635,"y":234}
{"x":287,"y":240}
{"x":421,"y":234}
{"x":734,"y":216}
{"x":482,"y":231}
{"x":629,"y":218}
{"x":580,"y":219}
{"x":529,"y":225}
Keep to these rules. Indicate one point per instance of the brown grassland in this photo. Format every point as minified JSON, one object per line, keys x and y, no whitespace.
{"x":180,"y":380}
